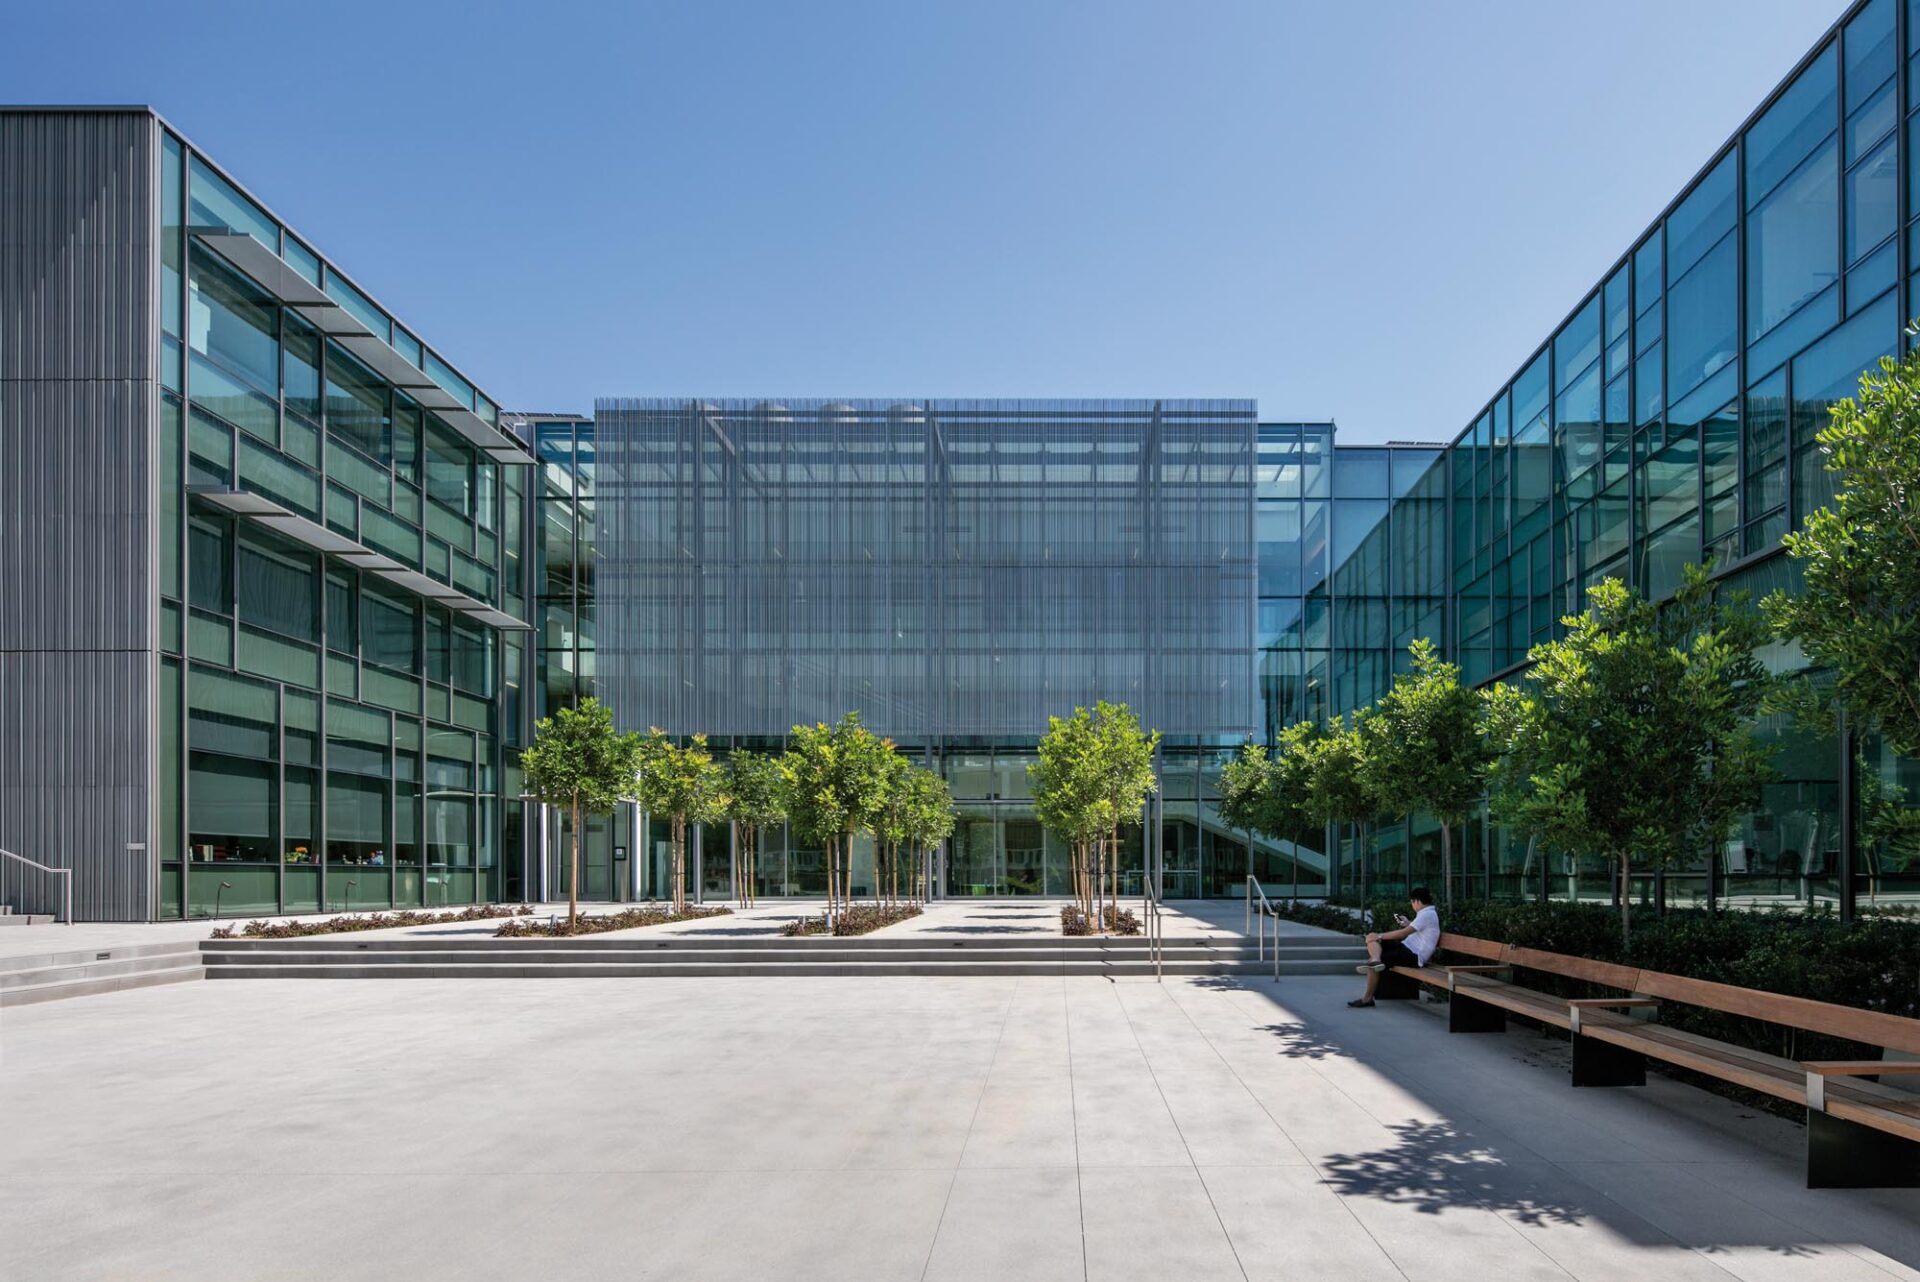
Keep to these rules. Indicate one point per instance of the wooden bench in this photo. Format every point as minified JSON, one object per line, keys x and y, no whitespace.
{"x":1860,"y":1134}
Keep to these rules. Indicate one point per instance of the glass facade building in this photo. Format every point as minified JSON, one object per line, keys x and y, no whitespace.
{"x":282,"y":591}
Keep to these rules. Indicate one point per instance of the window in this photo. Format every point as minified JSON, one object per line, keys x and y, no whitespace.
{"x":357,"y":405}
{"x":1702,"y":219}
{"x":1578,"y":344}
{"x":389,"y":633}
{"x":1792,"y":240}
{"x":210,"y":563}
{"x":1703,"y":320}
{"x":277,"y":589}
{"x":234,"y":323}
{"x":215,"y":203}
{"x":1873,"y":201}
{"x":1800,"y":120}
{"x":449,"y":470}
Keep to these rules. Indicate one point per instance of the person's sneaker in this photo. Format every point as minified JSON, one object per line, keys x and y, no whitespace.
{"x":1359,"y":1001}
{"x":1367,"y":968}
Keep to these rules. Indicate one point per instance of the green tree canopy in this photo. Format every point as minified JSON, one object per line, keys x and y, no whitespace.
{"x":686,"y":785}
{"x":1631,"y":737}
{"x":579,"y":763}
{"x":1423,"y":749}
{"x":754,"y":798}
{"x":836,"y":783}
{"x":1858,"y":615}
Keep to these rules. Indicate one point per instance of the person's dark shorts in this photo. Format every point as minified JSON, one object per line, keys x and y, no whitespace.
{"x":1394,"y":952}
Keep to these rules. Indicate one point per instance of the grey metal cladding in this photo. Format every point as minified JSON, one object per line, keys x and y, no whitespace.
{"x":78,"y":338}
{"x":76,"y":243}
{"x":74,"y":784}
{"x":951,"y":569}
{"x":75,"y":515}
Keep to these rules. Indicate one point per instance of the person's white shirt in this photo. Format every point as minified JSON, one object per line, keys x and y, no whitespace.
{"x":1426,"y":934}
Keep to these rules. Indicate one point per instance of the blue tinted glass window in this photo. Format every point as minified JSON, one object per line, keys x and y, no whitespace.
{"x":1792,"y":242}
{"x":1869,"y":50}
{"x":213,"y":202}
{"x":302,"y":260}
{"x":1873,"y":201}
{"x":1871,"y":123}
{"x":1646,"y":275}
{"x":1797,"y":123}
{"x":1646,"y":387}
{"x":1530,"y":392}
{"x":357,"y":305}
{"x":1359,"y":473}
{"x":1831,"y":368}
{"x":1578,"y":344}
{"x":1701,"y":220}
{"x":1702,"y":320}
{"x":1617,"y":299}
{"x":442,"y":373}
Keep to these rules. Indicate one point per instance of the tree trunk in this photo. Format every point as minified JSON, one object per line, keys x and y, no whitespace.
{"x":573,"y":871}
{"x":1446,"y":861}
{"x":827,"y":853}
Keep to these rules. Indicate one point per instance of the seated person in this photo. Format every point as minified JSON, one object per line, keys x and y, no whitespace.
{"x":1411,"y":945}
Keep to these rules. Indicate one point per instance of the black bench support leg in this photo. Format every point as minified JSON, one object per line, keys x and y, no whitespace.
{"x":1598,"y":1063}
{"x":1469,"y":1015}
{"x":1396,"y":988}
{"x":1846,"y":1155}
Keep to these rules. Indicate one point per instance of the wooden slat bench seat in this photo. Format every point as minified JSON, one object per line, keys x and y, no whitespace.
{"x":1861,"y":1134}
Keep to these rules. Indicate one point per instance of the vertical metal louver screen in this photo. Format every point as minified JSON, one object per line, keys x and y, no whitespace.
{"x":951,"y":569}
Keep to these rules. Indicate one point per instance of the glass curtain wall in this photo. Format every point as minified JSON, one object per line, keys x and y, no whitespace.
{"x":327,"y":741}
{"x":1669,"y":420}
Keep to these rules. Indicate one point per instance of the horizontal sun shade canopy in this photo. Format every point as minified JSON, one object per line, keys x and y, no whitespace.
{"x":267,"y":514}
{"x":264,"y":268}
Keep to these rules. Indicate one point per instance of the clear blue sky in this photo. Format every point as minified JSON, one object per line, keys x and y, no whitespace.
{"x":1371,"y":212}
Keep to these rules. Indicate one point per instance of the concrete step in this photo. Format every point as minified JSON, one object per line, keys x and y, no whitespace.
{"x":11,"y":918}
{"x":183,"y":948}
{"x":59,"y":989}
{"x":24,"y":977}
{"x":627,"y":970}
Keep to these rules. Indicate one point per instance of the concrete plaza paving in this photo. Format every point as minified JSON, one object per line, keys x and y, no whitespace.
{"x":850,"y":1129}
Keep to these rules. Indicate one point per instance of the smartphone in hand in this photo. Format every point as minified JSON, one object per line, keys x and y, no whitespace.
{"x":1401,"y":918}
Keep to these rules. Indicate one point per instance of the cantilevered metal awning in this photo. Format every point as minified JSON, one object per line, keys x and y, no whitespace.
{"x":264,"y":512}
{"x":266,"y":269}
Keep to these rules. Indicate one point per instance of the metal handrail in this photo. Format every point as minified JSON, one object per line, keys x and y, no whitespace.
{"x":66,"y":880}
{"x":1155,"y":929}
{"x":1260,"y":936}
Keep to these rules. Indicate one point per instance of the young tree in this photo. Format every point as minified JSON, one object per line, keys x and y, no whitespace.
{"x":1424,"y":750}
{"x":891,"y":827}
{"x":686,"y":785}
{"x":1266,"y":794}
{"x":1858,"y":614}
{"x":929,"y":821}
{"x":1631,"y":739}
{"x":580,"y":763}
{"x":814,"y":796}
{"x":1067,"y":797}
{"x":753,"y":800}
{"x":1123,"y":771}
{"x":836,"y":783}
{"x":1334,"y":776}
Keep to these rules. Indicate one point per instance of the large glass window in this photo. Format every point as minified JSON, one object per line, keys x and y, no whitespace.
{"x":233,"y":323}
{"x":1873,"y":201}
{"x":1703,"y":320}
{"x":278,"y":589}
{"x":1793,"y":242}
{"x":357,"y":404}
{"x":390,"y":633}
{"x":1800,"y":119}
{"x":213,"y":202}
{"x":1702,"y":219}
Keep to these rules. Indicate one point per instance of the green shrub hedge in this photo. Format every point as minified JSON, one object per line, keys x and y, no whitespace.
{"x":1873,"y":962}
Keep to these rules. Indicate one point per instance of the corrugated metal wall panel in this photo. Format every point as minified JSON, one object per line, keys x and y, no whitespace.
{"x":77,"y":367}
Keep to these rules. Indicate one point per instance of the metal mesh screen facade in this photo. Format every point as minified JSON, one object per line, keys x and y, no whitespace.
{"x":954,"y":570}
